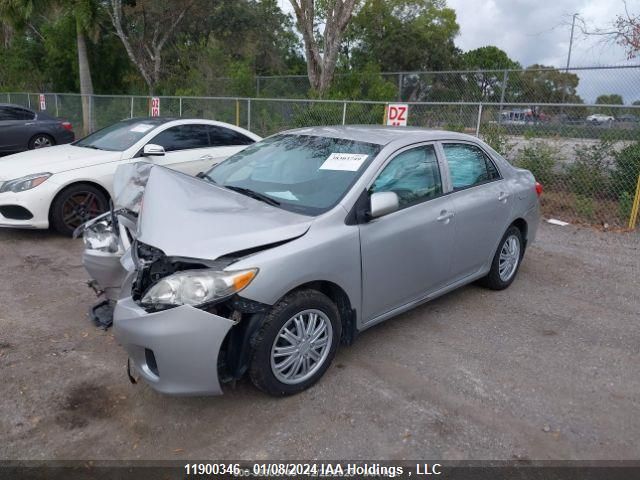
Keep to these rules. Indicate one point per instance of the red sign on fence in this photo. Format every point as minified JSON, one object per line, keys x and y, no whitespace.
{"x":397,"y":114}
{"x":43,"y":102}
{"x":155,"y":106}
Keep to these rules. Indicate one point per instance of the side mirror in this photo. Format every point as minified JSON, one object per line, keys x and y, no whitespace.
{"x":383,"y":203}
{"x":152,"y":150}
{"x":201,"y":175}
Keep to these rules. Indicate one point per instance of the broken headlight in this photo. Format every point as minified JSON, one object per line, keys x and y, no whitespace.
{"x":100,"y":236}
{"x":197,"y":287}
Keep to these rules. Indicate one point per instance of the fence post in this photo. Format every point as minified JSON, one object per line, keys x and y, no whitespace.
{"x":400,"y":83}
{"x":479,"y":119}
{"x":505,"y":77}
{"x":29,"y":99}
{"x":131,"y":109}
{"x":248,"y":114}
{"x":91,"y":119}
{"x":237,"y":112}
{"x":180,"y":103}
{"x":8,"y":98}
{"x":257,"y":85}
{"x":55,"y":98}
{"x":344,"y":113}
{"x":636,"y":205}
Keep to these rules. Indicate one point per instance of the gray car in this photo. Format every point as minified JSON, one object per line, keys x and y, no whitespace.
{"x":302,"y":241}
{"x":23,"y":129}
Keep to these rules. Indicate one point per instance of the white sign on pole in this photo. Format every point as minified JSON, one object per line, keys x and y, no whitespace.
{"x":397,"y":114}
{"x":43,"y":102}
{"x":155,"y":106}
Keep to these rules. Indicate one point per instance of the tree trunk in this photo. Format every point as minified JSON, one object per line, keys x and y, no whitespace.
{"x":86,"y":85}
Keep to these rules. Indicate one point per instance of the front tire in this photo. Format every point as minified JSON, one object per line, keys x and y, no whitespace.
{"x":76,"y":205}
{"x":295,"y":344}
{"x":506,"y":261}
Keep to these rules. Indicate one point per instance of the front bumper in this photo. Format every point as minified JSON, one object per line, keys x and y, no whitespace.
{"x":36,"y":201}
{"x":185,"y":343}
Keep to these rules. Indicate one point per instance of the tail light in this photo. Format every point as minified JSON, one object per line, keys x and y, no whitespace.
{"x":67,"y":126}
{"x":538,"y":188}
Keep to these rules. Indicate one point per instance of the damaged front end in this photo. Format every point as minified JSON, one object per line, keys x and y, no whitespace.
{"x":179,"y":340}
{"x":108,"y":237}
{"x":181,"y":317}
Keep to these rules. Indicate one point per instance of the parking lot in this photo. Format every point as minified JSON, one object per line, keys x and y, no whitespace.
{"x":547,"y":369}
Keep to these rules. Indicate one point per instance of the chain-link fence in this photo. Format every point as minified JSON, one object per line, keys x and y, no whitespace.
{"x":546,"y":85}
{"x":587,"y":156}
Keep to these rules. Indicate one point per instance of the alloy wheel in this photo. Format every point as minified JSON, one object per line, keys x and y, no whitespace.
{"x":301,"y":346}
{"x":509,"y":258}
{"x":42,"y":142}
{"x":80,"y":208}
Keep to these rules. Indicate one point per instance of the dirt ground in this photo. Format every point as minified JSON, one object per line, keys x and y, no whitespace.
{"x":547,"y":369}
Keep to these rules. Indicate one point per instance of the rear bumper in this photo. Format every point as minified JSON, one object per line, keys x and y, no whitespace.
{"x":184,"y":342}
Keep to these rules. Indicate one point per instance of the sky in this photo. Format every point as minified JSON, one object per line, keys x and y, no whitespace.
{"x":538,"y":31}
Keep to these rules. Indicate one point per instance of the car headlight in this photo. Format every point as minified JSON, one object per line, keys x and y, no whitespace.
{"x":197,"y":287}
{"x":100,"y":236}
{"x":24,"y":183}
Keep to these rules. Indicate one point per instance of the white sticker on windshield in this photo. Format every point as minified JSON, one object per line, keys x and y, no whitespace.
{"x":349,"y":162}
{"x":143,"y":127}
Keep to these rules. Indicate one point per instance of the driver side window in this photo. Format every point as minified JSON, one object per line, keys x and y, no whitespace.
{"x":413,"y":175}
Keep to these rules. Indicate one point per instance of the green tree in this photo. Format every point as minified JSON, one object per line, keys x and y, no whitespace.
{"x":21,"y":14}
{"x":404,"y":35}
{"x":487,"y":83}
{"x":612,"y":99}
{"x":542,"y":84}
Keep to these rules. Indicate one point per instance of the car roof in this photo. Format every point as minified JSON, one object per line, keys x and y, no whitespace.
{"x":380,"y":134}
{"x":13,"y":105}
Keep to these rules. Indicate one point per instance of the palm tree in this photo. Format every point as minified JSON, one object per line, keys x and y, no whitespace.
{"x":21,"y":15}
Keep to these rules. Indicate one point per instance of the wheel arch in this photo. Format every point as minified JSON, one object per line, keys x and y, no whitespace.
{"x":73,"y":183}
{"x":521,"y":224}
{"x":342,"y":301}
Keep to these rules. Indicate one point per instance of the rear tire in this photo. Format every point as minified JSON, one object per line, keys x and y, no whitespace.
{"x":41,"y":140}
{"x":303,"y":329}
{"x":506,"y":261}
{"x":76,"y":205}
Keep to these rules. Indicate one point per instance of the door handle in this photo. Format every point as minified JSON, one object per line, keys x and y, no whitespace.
{"x":503,"y":196}
{"x":445,"y":216}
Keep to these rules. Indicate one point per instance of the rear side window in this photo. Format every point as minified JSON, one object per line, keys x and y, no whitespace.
{"x":413,"y":175}
{"x":13,"y":113}
{"x":223,"y":137}
{"x":183,"y":137}
{"x":468,"y":165}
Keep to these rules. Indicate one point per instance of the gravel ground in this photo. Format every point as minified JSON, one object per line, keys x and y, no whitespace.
{"x":547,"y":369}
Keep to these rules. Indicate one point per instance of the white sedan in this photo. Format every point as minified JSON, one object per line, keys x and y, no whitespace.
{"x":600,"y":119}
{"x":66,"y":185}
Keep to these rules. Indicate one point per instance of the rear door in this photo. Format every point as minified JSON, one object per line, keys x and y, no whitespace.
{"x":482,"y":204}
{"x":15,"y":128}
{"x":406,"y":254}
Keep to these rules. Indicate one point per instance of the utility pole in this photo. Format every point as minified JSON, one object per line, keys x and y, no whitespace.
{"x":573,"y":26}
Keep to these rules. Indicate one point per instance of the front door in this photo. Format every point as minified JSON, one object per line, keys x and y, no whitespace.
{"x":186,"y":147}
{"x":406,"y":254}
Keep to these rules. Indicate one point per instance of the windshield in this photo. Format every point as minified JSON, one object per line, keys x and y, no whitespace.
{"x":303,"y":173}
{"x":120,"y":136}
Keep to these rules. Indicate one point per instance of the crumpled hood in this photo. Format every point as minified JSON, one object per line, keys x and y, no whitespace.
{"x":54,"y":160}
{"x":188,"y":217}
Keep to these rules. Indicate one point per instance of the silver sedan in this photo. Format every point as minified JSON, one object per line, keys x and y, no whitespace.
{"x":298,"y":243}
